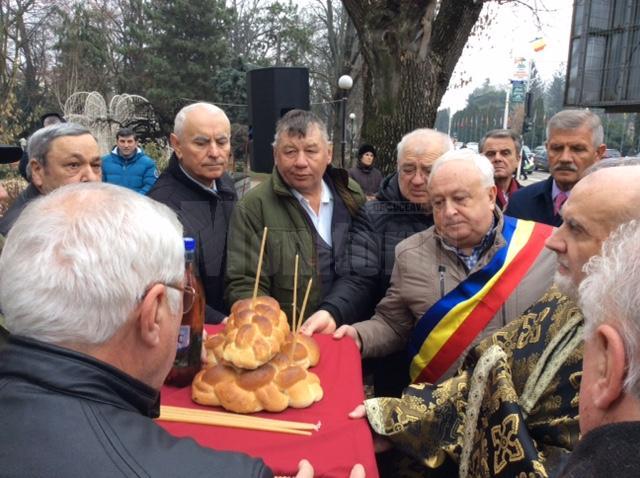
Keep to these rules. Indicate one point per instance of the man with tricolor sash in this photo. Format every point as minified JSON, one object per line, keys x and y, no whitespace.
{"x":460,"y":280}
{"x":512,"y":408}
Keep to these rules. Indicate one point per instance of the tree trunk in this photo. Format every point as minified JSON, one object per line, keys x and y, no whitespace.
{"x":411,"y":50}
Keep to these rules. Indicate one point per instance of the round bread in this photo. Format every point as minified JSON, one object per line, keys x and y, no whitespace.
{"x":254,"y":332}
{"x":306,"y":353}
{"x":213,"y":349}
{"x":251,"y":304}
{"x":272,"y":387}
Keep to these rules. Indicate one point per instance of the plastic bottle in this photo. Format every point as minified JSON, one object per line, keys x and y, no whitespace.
{"x":189,"y":346}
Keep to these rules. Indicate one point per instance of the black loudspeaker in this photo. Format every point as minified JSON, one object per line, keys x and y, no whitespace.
{"x":272,"y":92}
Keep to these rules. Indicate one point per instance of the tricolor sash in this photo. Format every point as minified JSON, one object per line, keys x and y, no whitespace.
{"x":450,"y":325}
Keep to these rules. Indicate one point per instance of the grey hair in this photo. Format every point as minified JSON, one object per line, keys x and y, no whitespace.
{"x":473,"y":160}
{"x":78,"y":260}
{"x":181,"y":117}
{"x":40,"y":141}
{"x":427,"y":134}
{"x":296,"y":123}
{"x":501,"y":134}
{"x":609,"y":293}
{"x":574,"y":119}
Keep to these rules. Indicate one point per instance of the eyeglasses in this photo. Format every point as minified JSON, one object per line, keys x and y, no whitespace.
{"x":188,"y":296}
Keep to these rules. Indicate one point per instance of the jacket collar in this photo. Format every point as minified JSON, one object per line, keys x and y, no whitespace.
{"x":116,"y":152}
{"x":224,"y":184}
{"x":390,"y":192}
{"x":497,"y":242}
{"x":72,"y":373}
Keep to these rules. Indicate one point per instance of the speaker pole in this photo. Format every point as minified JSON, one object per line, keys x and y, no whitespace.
{"x":345,"y":82}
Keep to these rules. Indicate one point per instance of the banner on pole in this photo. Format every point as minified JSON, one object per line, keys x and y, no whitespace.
{"x":518,"y":91}
{"x":520,"y":69}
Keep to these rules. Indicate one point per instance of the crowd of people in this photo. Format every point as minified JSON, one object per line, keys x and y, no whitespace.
{"x":497,"y":321}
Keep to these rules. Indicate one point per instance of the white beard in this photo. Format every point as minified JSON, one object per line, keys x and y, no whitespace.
{"x":566,"y":286}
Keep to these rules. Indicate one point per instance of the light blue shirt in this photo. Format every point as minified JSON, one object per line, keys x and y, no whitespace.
{"x":322,"y":220}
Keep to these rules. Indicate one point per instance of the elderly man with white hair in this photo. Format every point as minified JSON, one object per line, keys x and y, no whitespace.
{"x":197,"y":188}
{"x":610,"y":386}
{"x":460,"y":280}
{"x":91,"y":281}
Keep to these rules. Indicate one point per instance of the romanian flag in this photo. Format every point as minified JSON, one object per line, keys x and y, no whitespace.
{"x":451,"y":324}
{"x":538,"y":44}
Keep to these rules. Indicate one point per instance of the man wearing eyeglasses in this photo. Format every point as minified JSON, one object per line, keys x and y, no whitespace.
{"x":87,"y":280}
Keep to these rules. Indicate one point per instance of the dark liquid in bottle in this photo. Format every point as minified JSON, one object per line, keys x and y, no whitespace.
{"x":187,"y":363}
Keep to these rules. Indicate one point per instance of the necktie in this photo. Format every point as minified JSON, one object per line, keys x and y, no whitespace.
{"x":559,"y":201}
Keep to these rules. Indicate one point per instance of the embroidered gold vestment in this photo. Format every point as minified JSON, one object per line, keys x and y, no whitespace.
{"x":511,"y":411}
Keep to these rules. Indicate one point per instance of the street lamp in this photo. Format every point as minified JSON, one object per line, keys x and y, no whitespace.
{"x":352,"y":119}
{"x":345,"y":82}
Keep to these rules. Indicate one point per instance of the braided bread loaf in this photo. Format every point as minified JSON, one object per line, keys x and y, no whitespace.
{"x":254,"y":332}
{"x":273,"y":386}
{"x":307,"y":352}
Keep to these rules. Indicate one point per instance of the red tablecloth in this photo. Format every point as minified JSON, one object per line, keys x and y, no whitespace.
{"x":333,"y":450}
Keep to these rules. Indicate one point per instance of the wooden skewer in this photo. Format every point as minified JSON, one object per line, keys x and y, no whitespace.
{"x":295,"y":304}
{"x":295,"y":292}
{"x":304,"y":306}
{"x":239,"y":417}
{"x":299,"y":324}
{"x":255,"y":287}
{"x":203,"y":417}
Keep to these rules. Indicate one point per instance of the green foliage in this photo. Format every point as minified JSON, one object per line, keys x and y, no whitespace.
{"x":484,"y":112}
{"x":9,"y":171}
{"x":158,"y":152}
{"x":83,"y":57}
{"x":271,"y":33}
{"x":286,"y":38}
{"x":555,"y":93}
{"x":188,"y":46}
{"x":231,"y":88}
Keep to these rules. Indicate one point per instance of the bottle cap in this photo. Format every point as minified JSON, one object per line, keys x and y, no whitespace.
{"x":189,"y":244}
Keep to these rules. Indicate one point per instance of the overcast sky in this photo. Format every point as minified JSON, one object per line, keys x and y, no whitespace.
{"x":513,"y":28}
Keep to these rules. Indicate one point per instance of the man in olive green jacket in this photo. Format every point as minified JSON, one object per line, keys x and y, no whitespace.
{"x":307,"y":206}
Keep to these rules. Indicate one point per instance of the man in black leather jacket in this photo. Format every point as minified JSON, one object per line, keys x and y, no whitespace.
{"x":90,"y":280}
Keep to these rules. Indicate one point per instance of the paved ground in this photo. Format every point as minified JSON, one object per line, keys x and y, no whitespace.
{"x":535,"y":177}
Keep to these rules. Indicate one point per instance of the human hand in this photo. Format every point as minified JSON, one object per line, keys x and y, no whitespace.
{"x":357,"y":471}
{"x":349,"y":331}
{"x":305,"y":470}
{"x":380,"y":444}
{"x":321,"y":322}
